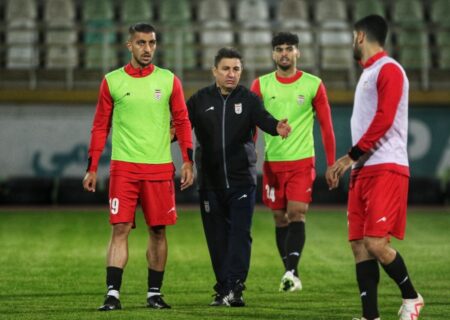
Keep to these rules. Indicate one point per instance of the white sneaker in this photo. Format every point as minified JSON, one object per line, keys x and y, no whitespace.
{"x":410,"y":308}
{"x":290,"y":283}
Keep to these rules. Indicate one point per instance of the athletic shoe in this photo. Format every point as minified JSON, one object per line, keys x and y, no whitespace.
{"x":234,"y":298}
{"x":410,"y":308}
{"x":290,"y":283}
{"x":218,"y":300}
{"x":157,"y":302}
{"x":111,"y":303}
{"x":364,"y":318}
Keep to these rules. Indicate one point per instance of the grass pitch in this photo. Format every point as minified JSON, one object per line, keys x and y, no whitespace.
{"x":52,"y":266}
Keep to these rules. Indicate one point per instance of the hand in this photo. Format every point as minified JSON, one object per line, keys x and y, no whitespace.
{"x":187,"y":175}
{"x":332,"y":180}
{"x":90,"y":181}
{"x":340,"y":166}
{"x":283,"y":128}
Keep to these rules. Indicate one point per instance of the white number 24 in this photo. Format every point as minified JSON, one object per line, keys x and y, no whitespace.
{"x":270,"y":193}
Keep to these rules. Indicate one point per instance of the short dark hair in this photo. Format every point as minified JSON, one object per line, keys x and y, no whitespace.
{"x":141,"y":27}
{"x":374,"y":26}
{"x":284,"y":38}
{"x":226,"y":53}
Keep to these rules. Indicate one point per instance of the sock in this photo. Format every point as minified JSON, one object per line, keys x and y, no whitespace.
{"x":397,"y":271}
{"x":368,"y":276}
{"x":295,"y":240}
{"x":280,"y":236}
{"x":113,"y":281}
{"x":155,"y":279}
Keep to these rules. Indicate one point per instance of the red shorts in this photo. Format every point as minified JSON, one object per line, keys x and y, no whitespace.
{"x":157,"y":200}
{"x":377,"y":206}
{"x":292,"y":185}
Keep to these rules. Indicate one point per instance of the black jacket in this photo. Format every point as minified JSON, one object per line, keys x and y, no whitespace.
{"x":225,"y":153}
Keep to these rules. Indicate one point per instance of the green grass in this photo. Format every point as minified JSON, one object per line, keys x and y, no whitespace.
{"x":52,"y":266}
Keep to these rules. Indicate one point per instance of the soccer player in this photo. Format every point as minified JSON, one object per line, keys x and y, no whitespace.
{"x":379,"y":179}
{"x":224,"y":117}
{"x":289,"y":167}
{"x":137,"y":101}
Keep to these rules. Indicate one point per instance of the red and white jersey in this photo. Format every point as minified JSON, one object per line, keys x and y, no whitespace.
{"x":379,"y":122}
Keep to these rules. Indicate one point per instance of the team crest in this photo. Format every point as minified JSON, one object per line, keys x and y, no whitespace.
{"x":238,"y":108}
{"x":158,"y":94}
{"x":300,"y":99}
{"x":206,"y":205}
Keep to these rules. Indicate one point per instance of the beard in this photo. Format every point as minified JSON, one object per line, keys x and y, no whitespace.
{"x":284,"y":67}
{"x":357,"y":53}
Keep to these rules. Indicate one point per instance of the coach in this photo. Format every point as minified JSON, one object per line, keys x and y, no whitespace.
{"x":224,"y":117}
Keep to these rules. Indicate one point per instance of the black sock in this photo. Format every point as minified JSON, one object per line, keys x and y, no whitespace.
{"x":295,"y":240}
{"x":154,"y":281}
{"x":114,"y":278}
{"x":397,"y":271}
{"x":368,"y":276}
{"x":280,"y":236}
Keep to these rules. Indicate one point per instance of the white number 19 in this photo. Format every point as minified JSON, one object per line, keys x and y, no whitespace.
{"x":114,"y":205}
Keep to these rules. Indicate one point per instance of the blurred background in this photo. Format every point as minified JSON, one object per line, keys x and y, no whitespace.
{"x":54,"y":53}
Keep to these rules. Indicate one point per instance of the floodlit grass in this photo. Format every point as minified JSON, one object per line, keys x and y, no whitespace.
{"x":52,"y":266}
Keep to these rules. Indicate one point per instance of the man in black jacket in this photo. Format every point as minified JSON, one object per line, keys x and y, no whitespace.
{"x":224,"y":117}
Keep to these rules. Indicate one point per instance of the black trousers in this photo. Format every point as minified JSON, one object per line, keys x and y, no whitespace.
{"x":227,"y":220}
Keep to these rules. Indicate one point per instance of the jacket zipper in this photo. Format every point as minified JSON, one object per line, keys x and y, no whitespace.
{"x":223,"y":140}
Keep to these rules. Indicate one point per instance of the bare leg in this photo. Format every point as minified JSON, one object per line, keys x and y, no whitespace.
{"x":117,"y":255}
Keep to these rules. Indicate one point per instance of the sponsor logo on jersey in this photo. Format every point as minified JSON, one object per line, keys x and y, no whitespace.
{"x":158,"y":94}
{"x":238,"y":108}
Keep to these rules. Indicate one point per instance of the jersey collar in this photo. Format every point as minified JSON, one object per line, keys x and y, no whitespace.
{"x":139,"y":72}
{"x":374,"y":58}
{"x":288,"y":80}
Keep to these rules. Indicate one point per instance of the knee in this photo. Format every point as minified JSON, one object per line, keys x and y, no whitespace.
{"x":280,"y":218}
{"x":121,"y":230}
{"x":297,"y":213}
{"x":158,"y":234}
{"x":375,"y":249}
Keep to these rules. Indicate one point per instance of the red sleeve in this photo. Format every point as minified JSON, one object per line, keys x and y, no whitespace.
{"x":256,"y":88}
{"x":101,"y":126}
{"x":390,"y":90}
{"x":323,"y":112}
{"x":180,"y":118}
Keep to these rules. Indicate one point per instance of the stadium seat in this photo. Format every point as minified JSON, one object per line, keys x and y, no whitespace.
{"x":100,"y":57}
{"x":134,"y":11}
{"x":363,"y":8}
{"x":216,"y":32}
{"x":61,"y":57}
{"x":177,"y":36}
{"x":292,"y":10}
{"x":335,"y":40}
{"x":97,"y":10}
{"x":408,"y":13}
{"x":292,"y":16}
{"x":330,"y":10}
{"x":255,"y":35}
{"x":413,"y":49}
{"x":21,"y":34}
{"x":440,"y":12}
{"x":60,"y":34}
{"x":19,"y":12}
{"x":213,"y":10}
{"x":59,"y":13}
